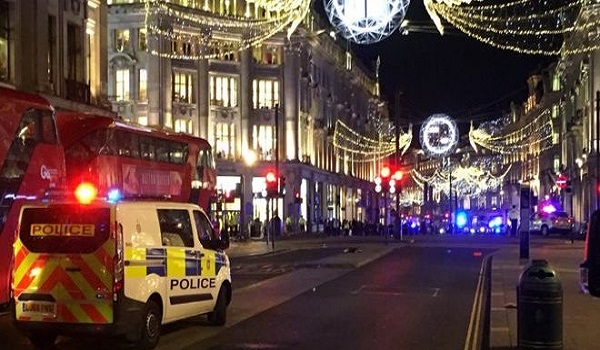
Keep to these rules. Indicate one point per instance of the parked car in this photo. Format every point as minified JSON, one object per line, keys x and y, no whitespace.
{"x":556,"y":222}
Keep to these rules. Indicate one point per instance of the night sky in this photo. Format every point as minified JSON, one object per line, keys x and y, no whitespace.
{"x":453,"y":74}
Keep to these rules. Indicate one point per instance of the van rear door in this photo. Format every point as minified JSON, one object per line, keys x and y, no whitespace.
{"x":64,"y":264}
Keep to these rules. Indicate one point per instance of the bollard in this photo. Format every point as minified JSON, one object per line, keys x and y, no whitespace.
{"x":539,"y":308}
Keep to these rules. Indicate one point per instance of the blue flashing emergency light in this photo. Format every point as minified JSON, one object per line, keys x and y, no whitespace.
{"x":461,"y":219}
{"x":495,"y":222}
{"x":114,"y":195}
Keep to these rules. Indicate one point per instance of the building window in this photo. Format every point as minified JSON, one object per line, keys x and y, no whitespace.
{"x":142,"y":39}
{"x":263,"y":136}
{"x":121,"y":39}
{"x":74,"y":52}
{"x":556,"y":82}
{"x":184,"y":125}
{"x":143,"y":85}
{"x":267,"y":54}
{"x":183,"y":87}
{"x":225,"y":140}
{"x":223,"y":91}
{"x":122,"y":85}
{"x":555,"y":110}
{"x":265,"y":93}
{"x":4,"y":37}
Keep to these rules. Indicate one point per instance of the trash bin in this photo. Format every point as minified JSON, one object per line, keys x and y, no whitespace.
{"x":539,"y":308}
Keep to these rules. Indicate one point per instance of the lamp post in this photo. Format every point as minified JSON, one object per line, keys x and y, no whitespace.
{"x":249,"y":160}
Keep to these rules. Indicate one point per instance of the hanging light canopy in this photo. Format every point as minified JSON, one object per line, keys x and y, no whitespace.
{"x":366,"y":21}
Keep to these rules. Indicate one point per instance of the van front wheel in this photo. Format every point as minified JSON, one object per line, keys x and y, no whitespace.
{"x":218,"y":316}
{"x":151,"y":326}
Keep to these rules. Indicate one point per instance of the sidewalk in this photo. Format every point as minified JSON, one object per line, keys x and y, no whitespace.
{"x":581,"y":312}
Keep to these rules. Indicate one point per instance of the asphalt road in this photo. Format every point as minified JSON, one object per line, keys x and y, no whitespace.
{"x":413,"y":298}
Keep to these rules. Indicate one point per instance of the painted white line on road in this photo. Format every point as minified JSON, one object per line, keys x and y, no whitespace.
{"x":354,"y":292}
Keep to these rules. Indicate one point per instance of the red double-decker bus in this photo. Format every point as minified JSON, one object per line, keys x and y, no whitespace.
{"x":138,"y":162}
{"x":31,"y":163}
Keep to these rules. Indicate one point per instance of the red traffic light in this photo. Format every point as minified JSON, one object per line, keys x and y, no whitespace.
{"x":398,"y":175}
{"x":270,"y":177}
{"x":385,"y":171}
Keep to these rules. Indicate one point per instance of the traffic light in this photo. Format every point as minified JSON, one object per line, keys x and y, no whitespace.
{"x":385,"y":173}
{"x":271,"y":182}
{"x":297,"y":198}
{"x":387,"y":182}
{"x":282,"y":185}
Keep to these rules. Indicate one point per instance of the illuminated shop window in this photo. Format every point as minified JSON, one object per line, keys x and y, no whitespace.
{"x":143,"y":85}
{"x":265,"y":93}
{"x":142,"y":39}
{"x":225,"y":140}
{"x":223,"y":91}
{"x":263,"y":136}
{"x":184,"y":125}
{"x":121,"y":39}
{"x":122,"y":85}
{"x":183,"y":87}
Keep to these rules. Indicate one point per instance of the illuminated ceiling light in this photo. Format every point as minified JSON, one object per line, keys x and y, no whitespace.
{"x":438,"y":135}
{"x":366,"y":21}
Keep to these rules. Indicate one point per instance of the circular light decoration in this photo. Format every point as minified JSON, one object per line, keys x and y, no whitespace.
{"x":438,"y":135}
{"x":366,"y":21}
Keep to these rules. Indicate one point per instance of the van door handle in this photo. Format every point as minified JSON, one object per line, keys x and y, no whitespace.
{"x":73,"y":269}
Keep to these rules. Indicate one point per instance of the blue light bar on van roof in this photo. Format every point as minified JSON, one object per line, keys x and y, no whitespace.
{"x":114,"y":195}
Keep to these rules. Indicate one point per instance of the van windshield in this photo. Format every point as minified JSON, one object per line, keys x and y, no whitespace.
{"x":65,"y":229}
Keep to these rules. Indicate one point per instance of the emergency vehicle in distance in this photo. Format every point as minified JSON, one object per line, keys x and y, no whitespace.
{"x":140,"y":162}
{"x":31,"y":163}
{"x":116,"y":267}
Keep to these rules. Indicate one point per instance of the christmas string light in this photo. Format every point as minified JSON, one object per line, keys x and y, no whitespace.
{"x":531,"y":26}
{"x":535,"y":136}
{"x":364,"y":148}
{"x":184,"y":21}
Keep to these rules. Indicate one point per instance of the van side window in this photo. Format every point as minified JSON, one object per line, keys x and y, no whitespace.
{"x":175,"y":228}
{"x":206,"y":233}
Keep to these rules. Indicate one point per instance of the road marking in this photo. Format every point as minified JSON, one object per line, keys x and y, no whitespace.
{"x":358,"y":290}
{"x":473,"y":329}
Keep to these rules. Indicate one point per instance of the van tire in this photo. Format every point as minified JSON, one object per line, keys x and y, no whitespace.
{"x":151,"y":324}
{"x":43,"y":340}
{"x":218,"y":316}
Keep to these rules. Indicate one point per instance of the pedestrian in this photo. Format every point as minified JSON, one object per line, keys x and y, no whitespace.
{"x":514,"y":216}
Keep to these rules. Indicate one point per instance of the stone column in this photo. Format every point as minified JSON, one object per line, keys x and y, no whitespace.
{"x":201,"y":125}
{"x":290,"y":105}
{"x":154,"y":81}
{"x":245,"y":102}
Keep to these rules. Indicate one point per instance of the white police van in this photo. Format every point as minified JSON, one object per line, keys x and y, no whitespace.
{"x":116,"y":268}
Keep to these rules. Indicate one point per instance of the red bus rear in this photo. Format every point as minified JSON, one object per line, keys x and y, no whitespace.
{"x":31,"y":163}
{"x":137,"y":161}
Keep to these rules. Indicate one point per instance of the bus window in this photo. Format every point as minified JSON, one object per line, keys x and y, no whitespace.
{"x":128,"y":144}
{"x":49,"y":134}
{"x":29,"y":130}
{"x":178,"y":153}
{"x":147,"y":148}
{"x":109,"y":146}
{"x":162,"y":151}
